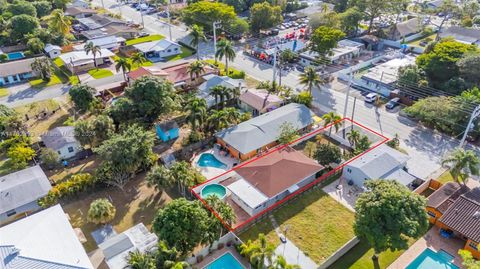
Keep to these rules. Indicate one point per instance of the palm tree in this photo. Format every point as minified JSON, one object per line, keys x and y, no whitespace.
{"x":220,"y":93}
{"x":197,"y":36}
{"x":264,"y":253}
{"x":281,"y":263}
{"x":247,"y":249}
{"x":176,"y":265}
{"x":94,"y":49}
{"x":197,"y":111}
{"x":195,"y":69}
{"x":139,"y":260}
{"x":138,"y":59}
{"x":101,"y":211}
{"x":225,"y":49}
{"x":59,"y":22}
{"x":218,"y":120}
{"x":122,"y":63}
{"x":311,"y":79}
{"x":353,"y":137}
{"x":159,"y":177}
{"x":233,"y":115}
{"x":331,"y":118}
{"x":463,"y":163}
{"x":183,"y":175}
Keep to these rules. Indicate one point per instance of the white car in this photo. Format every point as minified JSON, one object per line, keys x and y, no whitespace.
{"x":371,"y":97}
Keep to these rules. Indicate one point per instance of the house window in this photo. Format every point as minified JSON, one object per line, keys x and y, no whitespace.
{"x":473,"y":245}
{"x":349,"y":170}
{"x":169,"y":50}
{"x":58,"y":151}
{"x":70,"y":149}
{"x":431,"y":214}
{"x":11,"y":212}
{"x":176,"y":49}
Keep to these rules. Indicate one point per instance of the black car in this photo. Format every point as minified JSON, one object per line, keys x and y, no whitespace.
{"x":393,"y":103}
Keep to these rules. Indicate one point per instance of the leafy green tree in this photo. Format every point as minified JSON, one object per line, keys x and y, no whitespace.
{"x":82,"y":96}
{"x":152,"y":97}
{"x":43,"y":8}
{"x":42,"y":67}
{"x":198,"y":36}
{"x":22,"y":25}
{"x":165,"y":256}
{"x":469,"y":68}
{"x":324,"y":39}
{"x":159,"y":177}
{"x":239,"y":26}
{"x":182,"y":224}
{"x":83,"y":132}
{"x":409,"y":74}
{"x":139,"y":260}
{"x":281,"y":263}
{"x":94,"y":49}
{"x":350,"y":20}
{"x":263,"y":253}
{"x":239,"y":5}
{"x":304,"y":98}
{"x":288,"y":133}
{"x":362,"y":145}
{"x":264,"y":15}
{"x":225,"y":49}
{"x":463,"y":164}
{"x":450,"y":10}
{"x":309,"y":78}
{"x":333,"y":119}
{"x":327,"y":154}
{"x":402,"y":210}
{"x":49,"y":157}
{"x":225,"y":212}
{"x":204,"y":13}
{"x":124,"y":65}
{"x":468,"y":261}
{"x":22,"y":7}
{"x":324,"y":18}
{"x":102,"y":128}
{"x":371,"y":9}
{"x":35,"y":45}
{"x":197,"y":112}
{"x":101,"y":211}
{"x":58,"y":22}
{"x":19,"y":155}
{"x":221,"y":119}
{"x":123,"y":111}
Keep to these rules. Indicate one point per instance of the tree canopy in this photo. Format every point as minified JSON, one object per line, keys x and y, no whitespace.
{"x":264,"y":15}
{"x":82,"y":96}
{"x":204,"y":13}
{"x":324,"y":39}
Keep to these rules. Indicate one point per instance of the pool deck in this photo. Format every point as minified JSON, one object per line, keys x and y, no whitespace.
{"x":211,"y":172}
{"x":434,"y":241}
{"x":218,"y":253}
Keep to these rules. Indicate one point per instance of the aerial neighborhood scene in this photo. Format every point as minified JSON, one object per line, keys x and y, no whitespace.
{"x":238,"y":134}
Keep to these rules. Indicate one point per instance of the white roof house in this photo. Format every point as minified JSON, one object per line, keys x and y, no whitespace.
{"x":53,"y":51}
{"x":345,"y":50}
{"x":159,"y":48}
{"x":62,"y":139}
{"x":117,"y":248}
{"x":247,"y":193}
{"x":387,"y":72}
{"x":213,"y":80}
{"x":81,"y":57}
{"x":107,"y":42}
{"x":382,"y":162}
{"x":42,"y":240}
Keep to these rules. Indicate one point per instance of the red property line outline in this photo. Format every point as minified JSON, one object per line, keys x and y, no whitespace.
{"x":290,"y":196}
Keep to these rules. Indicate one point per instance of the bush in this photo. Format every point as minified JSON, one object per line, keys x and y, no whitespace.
{"x":49,"y":157}
{"x":101,"y":211}
{"x":74,"y":185}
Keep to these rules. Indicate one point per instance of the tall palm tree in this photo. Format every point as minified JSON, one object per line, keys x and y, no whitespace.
{"x":353,"y":137}
{"x":197,"y":36}
{"x":225,"y":49}
{"x":197,"y":112}
{"x":264,"y":253}
{"x":233,"y":115}
{"x":138,"y":59}
{"x":94,"y":49}
{"x":195,"y":69}
{"x":218,"y":120}
{"x":221,"y":94}
{"x":281,"y":263}
{"x":176,"y":265}
{"x":310,"y":79}
{"x":124,"y":65}
{"x":139,"y":260}
{"x":184,"y":175}
{"x":59,"y":22}
{"x":463,"y":163}
{"x":248,"y":248}
{"x":331,"y":118}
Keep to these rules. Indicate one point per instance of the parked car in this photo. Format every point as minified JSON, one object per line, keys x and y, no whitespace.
{"x":393,"y":103}
{"x":282,"y":238}
{"x":371,"y":97}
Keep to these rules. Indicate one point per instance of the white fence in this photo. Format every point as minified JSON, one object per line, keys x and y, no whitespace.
{"x":229,"y":237}
{"x":339,"y":253}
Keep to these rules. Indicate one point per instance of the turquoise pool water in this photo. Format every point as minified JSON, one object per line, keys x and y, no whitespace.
{"x":209,"y":160}
{"x":15,"y":55}
{"x":214,"y":189}
{"x":430,"y":259}
{"x":226,"y":261}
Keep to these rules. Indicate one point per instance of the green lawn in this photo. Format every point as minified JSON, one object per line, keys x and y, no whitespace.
{"x":100,"y":73}
{"x":185,"y":53}
{"x":317,"y":224}
{"x":446,"y":177}
{"x":144,"y":39}
{"x":3,"y":92}
{"x":63,"y":73}
{"x":39,"y":83}
{"x":416,"y":42}
{"x":133,"y":66}
{"x":233,"y":73}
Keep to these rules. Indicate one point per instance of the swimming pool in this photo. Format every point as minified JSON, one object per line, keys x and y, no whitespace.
{"x":430,"y":259}
{"x":226,"y":261}
{"x":15,"y":55}
{"x":209,"y":160}
{"x":213,"y":189}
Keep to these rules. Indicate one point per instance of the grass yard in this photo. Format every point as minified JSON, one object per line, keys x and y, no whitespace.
{"x":416,"y":42}
{"x":144,"y":39}
{"x":447,"y":177}
{"x":186,"y":52}
{"x":233,"y":73}
{"x":317,"y":224}
{"x":100,"y":73}
{"x":39,"y":83}
{"x":134,"y":66}
{"x":137,"y":203}
{"x":63,"y":73}
{"x":3,"y":92}
{"x":5,"y":167}
{"x":81,"y":166}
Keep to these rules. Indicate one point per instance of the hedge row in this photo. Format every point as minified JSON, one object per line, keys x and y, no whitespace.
{"x":74,"y":185}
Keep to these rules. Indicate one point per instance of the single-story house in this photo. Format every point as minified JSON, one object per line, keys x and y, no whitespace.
{"x":12,"y":72}
{"x":212,"y":80}
{"x":435,"y":4}
{"x":383,"y":162}
{"x":159,"y":49}
{"x":153,"y":71}
{"x":62,"y":140}
{"x":107,"y":42}
{"x":382,"y":77}
{"x":53,"y":51}
{"x":79,"y":3}
{"x":117,"y":248}
{"x":103,"y":25}
{"x":258,"y":134}
{"x":259,"y":101}
{"x":167,"y":130}
{"x":265,"y":181}
{"x":404,"y":29}
{"x":78,"y":61}
{"x":19,"y":192}
{"x":456,"y":209}
{"x":45,"y":239}
{"x":462,"y":34}
{"x":345,"y":51}
{"x":79,"y":12}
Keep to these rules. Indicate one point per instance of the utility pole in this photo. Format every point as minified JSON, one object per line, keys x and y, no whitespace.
{"x":215,"y":39}
{"x":141,"y":15}
{"x":119,"y":7}
{"x":353,"y":110}
{"x":103,"y":5}
{"x":475,"y":114}
{"x":347,"y":97}
{"x":169,"y":20}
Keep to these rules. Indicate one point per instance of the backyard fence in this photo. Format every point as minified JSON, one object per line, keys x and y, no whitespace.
{"x":339,"y":253}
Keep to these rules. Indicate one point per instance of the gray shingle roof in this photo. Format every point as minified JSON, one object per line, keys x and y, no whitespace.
{"x":10,"y":258}
{"x":467,"y":35}
{"x":59,"y":137}
{"x":22,"y":187}
{"x":264,"y":129}
{"x":409,"y":27}
{"x":17,"y":67}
